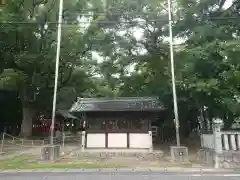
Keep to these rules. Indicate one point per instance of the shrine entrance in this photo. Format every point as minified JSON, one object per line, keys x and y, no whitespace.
{"x":118,"y":123}
{"x":117,"y":130}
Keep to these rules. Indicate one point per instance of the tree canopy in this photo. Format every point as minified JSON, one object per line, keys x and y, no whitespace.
{"x":120,"y":48}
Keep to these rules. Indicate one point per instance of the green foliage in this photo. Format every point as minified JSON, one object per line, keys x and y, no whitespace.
{"x":11,"y":79}
{"x":207,"y":63}
{"x":29,"y":50}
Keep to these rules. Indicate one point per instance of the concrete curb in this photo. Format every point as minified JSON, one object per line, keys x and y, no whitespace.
{"x":124,"y":170}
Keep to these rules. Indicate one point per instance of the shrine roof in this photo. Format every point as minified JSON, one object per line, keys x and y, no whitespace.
{"x":65,"y":114}
{"x":117,"y":104}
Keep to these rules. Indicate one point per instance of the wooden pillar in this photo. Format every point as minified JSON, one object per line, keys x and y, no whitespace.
{"x":83,"y":142}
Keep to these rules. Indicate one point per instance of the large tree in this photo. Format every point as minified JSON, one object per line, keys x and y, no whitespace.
{"x":206,"y":61}
{"x":207,"y":70}
{"x":28,"y":51}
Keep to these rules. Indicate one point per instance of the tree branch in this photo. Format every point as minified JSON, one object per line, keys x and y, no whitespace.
{"x":64,"y":82}
{"x":38,"y":2}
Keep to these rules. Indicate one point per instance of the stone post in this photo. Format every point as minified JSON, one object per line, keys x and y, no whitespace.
{"x":217,"y":141}
{"x":83,"y":140}
{"x":150,"y":141}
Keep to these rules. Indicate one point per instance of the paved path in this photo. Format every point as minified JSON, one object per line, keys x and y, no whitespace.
{"x":119,"y":175}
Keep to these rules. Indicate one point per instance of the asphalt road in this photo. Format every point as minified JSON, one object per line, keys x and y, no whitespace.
{"x":118,"y":176}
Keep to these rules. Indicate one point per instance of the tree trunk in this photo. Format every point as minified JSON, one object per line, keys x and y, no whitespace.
{"x":228,"y":121}
{"x":27,"y":121}
{"x":210,"y":119}
{"x":203,"y":118}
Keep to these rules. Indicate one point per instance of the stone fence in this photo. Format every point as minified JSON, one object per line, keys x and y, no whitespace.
{"x":220,"y":149}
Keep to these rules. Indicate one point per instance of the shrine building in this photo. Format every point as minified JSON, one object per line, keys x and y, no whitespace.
{"x":120,"y":123}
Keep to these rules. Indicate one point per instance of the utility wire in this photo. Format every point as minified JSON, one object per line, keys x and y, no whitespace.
{"x":110,"y":22}
{"x":80,"y":25}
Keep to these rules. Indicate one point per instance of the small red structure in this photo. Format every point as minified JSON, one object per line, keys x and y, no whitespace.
{"x":42,"y":127}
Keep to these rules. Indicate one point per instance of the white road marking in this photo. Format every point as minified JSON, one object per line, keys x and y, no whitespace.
{"x":231,"y":175}
{"x":225,"y":175}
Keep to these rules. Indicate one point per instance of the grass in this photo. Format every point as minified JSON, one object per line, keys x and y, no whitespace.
{"x":25,"y":162}
{"x":28,"y":162}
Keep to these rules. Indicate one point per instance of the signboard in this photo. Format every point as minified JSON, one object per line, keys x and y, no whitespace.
{"x":124,"y":104}
{"x":127,"y":105}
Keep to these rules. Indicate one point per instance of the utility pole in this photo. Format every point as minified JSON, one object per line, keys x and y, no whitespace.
{"x":59,"y":32}
{"x":173,"y":73}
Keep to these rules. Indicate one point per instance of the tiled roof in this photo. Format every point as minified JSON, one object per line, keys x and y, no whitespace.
{"x":65,"y":114}
{"x":117,"y":104}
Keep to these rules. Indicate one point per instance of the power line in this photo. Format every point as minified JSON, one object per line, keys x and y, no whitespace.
{"x":86,"y":22}
{"x":113,"y":22}
{"x":93,"y":11}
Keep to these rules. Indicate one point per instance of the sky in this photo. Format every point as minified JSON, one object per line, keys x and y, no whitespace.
{"x":138,"y":34}
{"x":228,"y":4}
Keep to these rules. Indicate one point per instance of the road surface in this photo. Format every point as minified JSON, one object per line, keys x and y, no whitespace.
{"x":119,"y":176}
